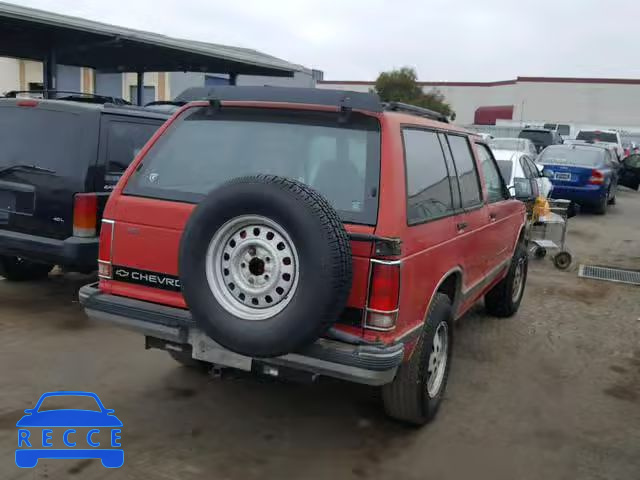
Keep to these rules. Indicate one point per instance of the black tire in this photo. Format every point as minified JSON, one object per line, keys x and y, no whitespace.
{"x":17,"y":269}
{"x":324,"y":265}
{"x":185,"y":359}
{"x":502,"y":300}
{"x":407,"y":398}
{"x":540,"y":252}
{"x":562,"y":260}
{"x":601,"y":208}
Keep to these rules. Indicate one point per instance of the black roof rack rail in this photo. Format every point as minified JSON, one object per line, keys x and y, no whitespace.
{"x":412,"y":109}
{"x":71,"y":95}
{"x":342,"y":99}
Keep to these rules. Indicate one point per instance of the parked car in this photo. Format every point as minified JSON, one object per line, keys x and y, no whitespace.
{"x":514,"y":145}
{"x":484,"y":136}
{"x":585,"y":174}
{"x":563,"y":129}
{"x":541,"y":137}
{"x":343,"y":240}
{"x":59,"y":161}
{"x":517,"y":164}
{"x":610,"y":137}
{"x":630,"y":172}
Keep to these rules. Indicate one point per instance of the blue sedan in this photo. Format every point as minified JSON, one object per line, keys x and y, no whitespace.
{"x":585,"y":174}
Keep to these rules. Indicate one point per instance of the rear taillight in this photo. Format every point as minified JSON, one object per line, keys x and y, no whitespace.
{"x":384,"y":293}
{"x":597,"y":177}
{"x":85,"y":214}
{"x":27,"y":103}
{"x":105,"y":252}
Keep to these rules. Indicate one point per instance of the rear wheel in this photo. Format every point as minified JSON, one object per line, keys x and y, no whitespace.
{"x":415,"y":394}
{"x":504,"y":299}
{"x":601,"y":207}
{"x":17,"y":269}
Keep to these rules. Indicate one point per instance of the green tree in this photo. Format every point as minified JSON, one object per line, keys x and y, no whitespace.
{"x":402,"y":86}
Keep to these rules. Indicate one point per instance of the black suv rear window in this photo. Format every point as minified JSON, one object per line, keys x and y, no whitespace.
{"x":206,"y":148}
{"x":538,"y":137}
{"x":46,"y":138}
{"x":596,"y":136}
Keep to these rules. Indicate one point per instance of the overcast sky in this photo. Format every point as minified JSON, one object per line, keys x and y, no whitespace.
{"x":445,"y":40}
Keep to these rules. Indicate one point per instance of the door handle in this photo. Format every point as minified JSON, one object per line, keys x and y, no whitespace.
{"x":462,"y":225}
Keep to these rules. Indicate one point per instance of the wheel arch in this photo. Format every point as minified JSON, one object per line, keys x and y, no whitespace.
{"x":451,"y":285}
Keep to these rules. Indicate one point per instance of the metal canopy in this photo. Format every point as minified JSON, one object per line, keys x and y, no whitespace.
{"x":39,"y":35}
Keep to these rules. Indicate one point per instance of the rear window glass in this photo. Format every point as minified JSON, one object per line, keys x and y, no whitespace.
{"x":208,"y":148}
{"x":564,"y":130}
{"x":46,"y":138}
{"x":506,"y":167}
{"x":597,"y":137}
{"x":587,"y":157}
{"x":538,"y":137}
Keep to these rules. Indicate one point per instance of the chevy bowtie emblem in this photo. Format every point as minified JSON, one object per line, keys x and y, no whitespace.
{"x":122,"y":273}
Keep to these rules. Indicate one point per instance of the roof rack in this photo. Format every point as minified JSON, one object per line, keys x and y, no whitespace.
{"x":70,"y":95}
{"x":412,"y":109}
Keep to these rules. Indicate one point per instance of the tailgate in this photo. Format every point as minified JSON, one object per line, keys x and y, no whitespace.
{"x":146,"y":243}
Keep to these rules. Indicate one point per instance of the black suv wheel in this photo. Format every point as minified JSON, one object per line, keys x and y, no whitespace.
{"x":18,"y":269}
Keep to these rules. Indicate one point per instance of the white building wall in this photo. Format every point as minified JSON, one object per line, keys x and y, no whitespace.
{"x":579,"y":103}
{"x":614,"y":105}
{"x":466,"y":99}
{"x":9,"y":74}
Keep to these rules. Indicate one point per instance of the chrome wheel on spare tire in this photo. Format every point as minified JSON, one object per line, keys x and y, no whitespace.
{"x":265,"y":265}
{"x":252,"y":267}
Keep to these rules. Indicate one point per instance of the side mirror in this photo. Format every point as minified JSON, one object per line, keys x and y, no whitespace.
{"x":546,"y":173}
{"x":523,"y":189}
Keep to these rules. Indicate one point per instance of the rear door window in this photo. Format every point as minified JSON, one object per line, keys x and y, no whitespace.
{"x":125,"y":137}
{"x":428,"y":187}
{"x":467,"y":171}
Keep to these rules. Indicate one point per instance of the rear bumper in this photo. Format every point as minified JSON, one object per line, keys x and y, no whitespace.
{"x":370,"y":364}
{"x":73,"y":251}
{"x":590,"y":194}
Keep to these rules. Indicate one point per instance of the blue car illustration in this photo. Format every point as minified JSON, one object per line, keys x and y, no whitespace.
{"x":31,"y":448}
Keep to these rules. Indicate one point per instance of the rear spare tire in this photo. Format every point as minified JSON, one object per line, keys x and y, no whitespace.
{"x":265,"y":265}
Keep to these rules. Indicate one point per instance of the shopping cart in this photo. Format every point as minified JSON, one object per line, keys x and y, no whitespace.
{"x":549,"y":232}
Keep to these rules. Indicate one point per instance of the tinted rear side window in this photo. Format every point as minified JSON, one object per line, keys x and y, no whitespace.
{"x":124,"y":141}
{"x":428,"y":188}
{"x":51,"y":139}
{"x":206,"y":148}
{"x":467,"y":171}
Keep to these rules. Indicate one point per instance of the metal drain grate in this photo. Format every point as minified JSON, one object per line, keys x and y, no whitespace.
{"x":609,"y":274}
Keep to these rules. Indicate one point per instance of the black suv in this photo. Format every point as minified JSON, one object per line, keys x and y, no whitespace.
{"x":59,"y":159}
{"x":541,"y":137}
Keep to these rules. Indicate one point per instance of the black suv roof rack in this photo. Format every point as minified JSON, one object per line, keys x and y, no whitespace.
{"x":72,"y":96}
{"x":414,"y":110}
